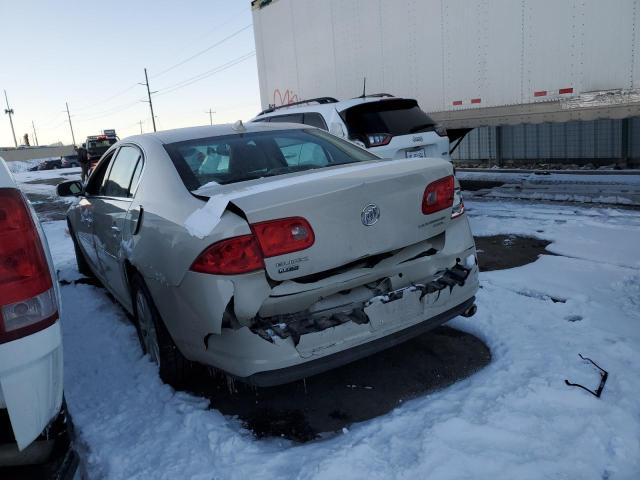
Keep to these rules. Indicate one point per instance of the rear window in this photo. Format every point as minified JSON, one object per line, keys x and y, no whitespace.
{"x":237,"y":158}
{"x":392,"y":117}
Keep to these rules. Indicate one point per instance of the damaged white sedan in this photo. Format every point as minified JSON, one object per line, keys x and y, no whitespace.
{"x":272,"y":252}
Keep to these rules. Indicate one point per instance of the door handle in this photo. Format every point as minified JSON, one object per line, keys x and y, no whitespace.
{"x":115,"y":229}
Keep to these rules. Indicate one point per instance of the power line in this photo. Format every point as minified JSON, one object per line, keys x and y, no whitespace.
{"x":207,"y":74}
{"x":201,"y":52}
{"x":111,"y":111}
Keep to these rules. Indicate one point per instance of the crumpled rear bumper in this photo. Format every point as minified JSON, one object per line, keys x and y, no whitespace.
{"x":337,"y":359}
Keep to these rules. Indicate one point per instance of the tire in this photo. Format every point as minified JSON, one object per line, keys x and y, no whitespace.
{"x":155,"y":339}
{"x":81,"y":261}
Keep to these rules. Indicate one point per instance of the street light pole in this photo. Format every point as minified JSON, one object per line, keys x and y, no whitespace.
{"x":9,"y":111}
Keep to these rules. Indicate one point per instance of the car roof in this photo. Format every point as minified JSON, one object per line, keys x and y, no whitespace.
{"x":193,"y":133}
{"x":325,"y":107}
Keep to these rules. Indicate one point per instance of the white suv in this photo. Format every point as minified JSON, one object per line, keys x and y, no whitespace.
{"x":389,"y":126}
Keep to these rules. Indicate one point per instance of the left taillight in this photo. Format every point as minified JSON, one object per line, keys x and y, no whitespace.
{"x":378,"y":139}
{"x":246,"y":253}
{"x":27,"y":298}
{"x":438,"y":195}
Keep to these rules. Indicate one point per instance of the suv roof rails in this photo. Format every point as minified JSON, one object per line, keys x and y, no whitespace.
{"x":375,"y":95}
{"x":320,"y":100}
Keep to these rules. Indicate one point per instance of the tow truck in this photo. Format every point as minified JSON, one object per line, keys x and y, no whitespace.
{"x":97,"y":145}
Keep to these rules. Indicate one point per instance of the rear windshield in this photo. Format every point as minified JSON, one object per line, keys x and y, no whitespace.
{"x":237,"y":158}
{"x":393,"y":117}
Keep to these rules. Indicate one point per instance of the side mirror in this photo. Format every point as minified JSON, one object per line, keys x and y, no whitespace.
{"x":72,"y":188}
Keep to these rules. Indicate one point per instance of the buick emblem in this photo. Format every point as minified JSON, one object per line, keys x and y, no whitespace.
{"x":418,"y":139}
{"x":370,"y":215}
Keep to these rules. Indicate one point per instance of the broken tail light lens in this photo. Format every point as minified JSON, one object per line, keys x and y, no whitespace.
{"x":230,"y":257}
{"x":438,"y":195}
{"x":27,"y":299}
{"x":458,"y":204}
{"x":278,"y":237}
{"x":378,"y":139}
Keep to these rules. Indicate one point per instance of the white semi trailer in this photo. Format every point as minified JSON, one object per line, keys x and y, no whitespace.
{"x":469,"y":63}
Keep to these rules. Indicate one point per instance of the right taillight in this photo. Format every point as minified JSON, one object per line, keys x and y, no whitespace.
{"x":438,"y":195}
{"x":27,"y":299}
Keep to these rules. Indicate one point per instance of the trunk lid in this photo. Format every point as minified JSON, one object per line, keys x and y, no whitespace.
{"x":339,"y":202}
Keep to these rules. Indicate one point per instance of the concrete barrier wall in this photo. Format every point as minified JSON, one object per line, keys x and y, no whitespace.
{"x":24,"y":154}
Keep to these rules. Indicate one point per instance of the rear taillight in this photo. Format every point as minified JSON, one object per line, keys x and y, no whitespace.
{"x":438,"y":195}
{"x":230,"y":257}
{"x":440,"y":130}
{"x":27,"y":299}
{"x":278,"y":237}
{"x":246,"y":253}
{"x":378,"y":139}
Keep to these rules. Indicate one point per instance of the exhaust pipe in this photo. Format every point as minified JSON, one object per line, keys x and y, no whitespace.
{"x":470,"y":312}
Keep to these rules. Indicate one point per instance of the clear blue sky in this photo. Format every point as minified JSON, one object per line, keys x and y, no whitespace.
{"x":92,"y":54}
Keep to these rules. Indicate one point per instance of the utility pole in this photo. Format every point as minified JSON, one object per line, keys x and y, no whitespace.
{"x":35,"y":137}
{"x":73,"y":137}
{"x":149,"y":92}
{"x":140,"y":122}
{"x":9,"y":111}
{"x":210,"y":112}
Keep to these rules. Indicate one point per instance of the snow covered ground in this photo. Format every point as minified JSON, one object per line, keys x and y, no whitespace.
{"x":514,"y":419}
{"x":589,"y":187}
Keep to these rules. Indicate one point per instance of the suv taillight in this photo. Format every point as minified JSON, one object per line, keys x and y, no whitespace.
{"x":246,"y":253}
{"x":378,"y":139}
{"x":438,"y":195}
{"x":440,"y":130}
{"x":27,"y":298}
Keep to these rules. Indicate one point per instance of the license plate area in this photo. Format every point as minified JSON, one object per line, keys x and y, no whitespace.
{"x":419,"y":153}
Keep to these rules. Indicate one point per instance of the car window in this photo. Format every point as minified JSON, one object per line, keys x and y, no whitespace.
{"x":247,"y":156}
{"x":118,"y":183}
{"x":298,"y":152}
{"x":290,"y":118}
{"x":315,"y":120}
{"x":97,"y":178}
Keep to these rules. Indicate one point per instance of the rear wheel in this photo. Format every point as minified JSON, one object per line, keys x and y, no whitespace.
{"x":155,"y":339}
{"x":81,"y":261}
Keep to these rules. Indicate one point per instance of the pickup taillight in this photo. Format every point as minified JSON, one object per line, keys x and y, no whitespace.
{"x":27,"y":299}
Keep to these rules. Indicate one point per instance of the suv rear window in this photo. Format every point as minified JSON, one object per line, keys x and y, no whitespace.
{"x":237,"y":158}
{"x":392,"y":117}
